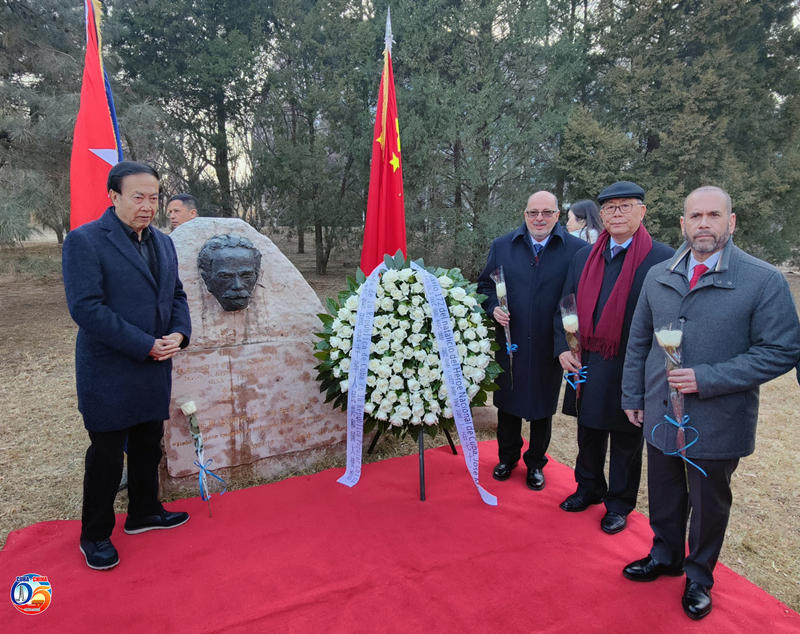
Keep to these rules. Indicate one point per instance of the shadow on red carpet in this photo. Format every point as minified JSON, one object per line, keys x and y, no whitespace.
{"x":310,"y":555}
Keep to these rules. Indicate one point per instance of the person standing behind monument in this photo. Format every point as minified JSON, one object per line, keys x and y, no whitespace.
{"x":535,"y":258}
{"x":123,"y":290}
{"x":740,"y":329}
{"x":606,"y":280}
{"x":181,"y":208}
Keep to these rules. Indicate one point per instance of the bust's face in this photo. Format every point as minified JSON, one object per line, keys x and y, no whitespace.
{"x":233,"y":276}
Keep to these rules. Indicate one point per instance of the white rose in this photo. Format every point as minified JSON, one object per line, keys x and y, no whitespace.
{"x":337,"y":372}
{"x":413,"y":386}
{"x":476,"y":317}
{"x":396,"y":345}
{"x":372,"y":380}
{"x":387,"y":304}
{"x":472,"y":390}
{"x":396,"y":382}
{"x":420,"y":355}
{"x":335,"y":342}
{"x":351,"y":303}
{"x":430,"y":419}
{"x":382,"y":346}
{"x":335,"y":354}
{"x":470,"y":334}
{"x":343,"y":386}
{"x":417,"y":314}
{"x":445,"y":282}
{"x":486,"y":345}
{"x":379,"y":292}
{"x":402,"y":309}
{"x":343,"y":314}
{"x":344,"y":345}
{"x":390,"y":397}
{"x":382,"y":386}
{"x":188,"y":408}
{"x":463,"y":324}
{"x":482,"y":331}
{"x":458,"y":294}
{"x":390,"y":276}
{"x":404,"y":411}
{"x":369,"y":407}
{"x":397,"y":294}
{"x":458,"y":311}
{"x":345,"y":365}
{"x":447,"y":413}
{"x":474,"y":346}
{"x":469,"y":301}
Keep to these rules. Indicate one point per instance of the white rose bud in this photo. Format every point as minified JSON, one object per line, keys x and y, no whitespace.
{"x":669,"y":338}
{"x":188,"y":408}
{"x":570,"y":323}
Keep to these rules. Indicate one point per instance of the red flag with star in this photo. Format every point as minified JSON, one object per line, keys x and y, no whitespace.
{"x":385,"y":230}
{"x":95,"y":143}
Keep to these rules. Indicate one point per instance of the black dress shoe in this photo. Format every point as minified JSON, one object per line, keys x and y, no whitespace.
{"x":503,"y":471}
{"x":613,"y":522}
{"x":165,"y":519}
{"x":578,"y":502}
{"x":535,"y":479}
{"x":648,"y":569}
{"x":696,"y":600}
{"x":99,"y":555}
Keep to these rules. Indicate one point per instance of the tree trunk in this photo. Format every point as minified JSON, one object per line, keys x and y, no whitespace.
{"x":319,"y":250}
{"x":221,"y":159}
{"x":301,"y":239}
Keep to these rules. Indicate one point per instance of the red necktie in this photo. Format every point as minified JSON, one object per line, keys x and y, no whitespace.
{"x":696,"y":274}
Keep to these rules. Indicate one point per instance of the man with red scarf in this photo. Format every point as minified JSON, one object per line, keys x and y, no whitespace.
{"x":606,"y":279}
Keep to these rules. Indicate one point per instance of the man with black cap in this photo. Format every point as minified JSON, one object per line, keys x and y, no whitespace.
{"x":606,"y":279}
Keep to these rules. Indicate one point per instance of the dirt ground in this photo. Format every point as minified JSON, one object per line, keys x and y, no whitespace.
{"x":42,"y":440}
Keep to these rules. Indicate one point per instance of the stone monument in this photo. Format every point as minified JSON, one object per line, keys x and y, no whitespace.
{"x":249,"y":367}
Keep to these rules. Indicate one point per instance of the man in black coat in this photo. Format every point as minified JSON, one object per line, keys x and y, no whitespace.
{"x":606,"y":279}
{"x":123,"y":291}
{"x":535,"y":258}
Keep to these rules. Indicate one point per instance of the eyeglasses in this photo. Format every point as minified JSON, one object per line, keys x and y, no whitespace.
{"x":625,"y":208}
{"x":544,"y":213}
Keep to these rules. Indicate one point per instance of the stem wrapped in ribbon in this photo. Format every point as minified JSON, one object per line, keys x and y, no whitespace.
{"x":502,"y":298}
{"x":669,"y":339}
{"x":569,"y":320}
{"x":189,"y":410}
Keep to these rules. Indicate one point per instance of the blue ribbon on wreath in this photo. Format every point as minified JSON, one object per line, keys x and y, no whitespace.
{"x":205,"y":495}
{"x":683,"y":425}
{"x":581,"y":377}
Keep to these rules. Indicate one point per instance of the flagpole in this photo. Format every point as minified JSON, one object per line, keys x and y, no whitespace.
{"x":388,"y":40}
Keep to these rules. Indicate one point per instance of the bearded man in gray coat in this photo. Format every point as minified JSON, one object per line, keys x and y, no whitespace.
{"x":739,"y":329}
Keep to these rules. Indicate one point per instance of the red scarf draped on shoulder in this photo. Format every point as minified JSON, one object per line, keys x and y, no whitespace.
{"x":605,"y":338}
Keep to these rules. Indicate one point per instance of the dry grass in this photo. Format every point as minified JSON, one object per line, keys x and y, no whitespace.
{"x":42,"y":440}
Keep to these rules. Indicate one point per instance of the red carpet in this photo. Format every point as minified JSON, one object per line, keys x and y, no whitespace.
{"x":310,"y":555}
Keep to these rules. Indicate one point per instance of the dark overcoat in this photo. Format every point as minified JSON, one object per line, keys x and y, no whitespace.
{"x":121,"y":310}
{"x":599,"y":405}
{"x":534,"y":290}
{"x":740,"y":329}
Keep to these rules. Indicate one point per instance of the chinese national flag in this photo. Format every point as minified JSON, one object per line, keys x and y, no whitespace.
{"x":385,"y":230}
{"x":95,"y":144}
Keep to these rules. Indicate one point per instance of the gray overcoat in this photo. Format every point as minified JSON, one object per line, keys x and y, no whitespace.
{"x":740,"y":329}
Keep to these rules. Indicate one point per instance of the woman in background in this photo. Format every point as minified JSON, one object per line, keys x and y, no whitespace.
{"x":583,"y":220}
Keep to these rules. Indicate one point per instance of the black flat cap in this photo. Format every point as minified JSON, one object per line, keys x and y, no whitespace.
{"x":621,"y":189}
